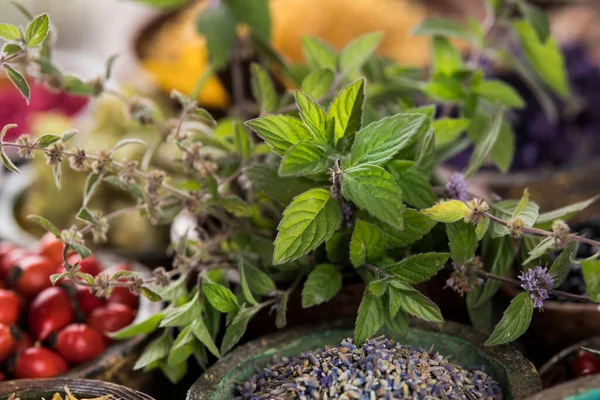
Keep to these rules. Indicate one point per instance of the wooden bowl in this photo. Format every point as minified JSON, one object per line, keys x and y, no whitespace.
{"x":35,"y":389}
{"x":516,"y":375}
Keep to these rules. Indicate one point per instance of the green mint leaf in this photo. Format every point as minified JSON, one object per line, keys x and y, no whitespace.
{"x":346,"y":110}
{"x":220,"y":297}
{"x":537,"y":19}
{"x":8,"y":162}
{"x":393,"y":303}
{"x":371,"y":316}
{"x":480,"y":315}
{"x":48,"y":139}
{"x":419,"y":267}
{"x":46,"y":224}
{"x":448,"y":129}
{"x":10,"y":32}
{"x":312,"y":114}
{"x":357,"y":52}
{"x":318,"y":54}
{"x":202,"y":115}
{"x":263,"y":89}
{"x":151,"y":294}
{"x":184,"y":314}
{"x":280,"y":131}
{"x":83,"y":251}
{"x":85,"y":215}
{"x":416,"y":225}
{"x":372,"y":189}
{"x":258,"y":282}
{"x":482,"y":228}
{"x":367,"y":243}
{"x":545,"y":246}
{"x":379,"y":141}
{"x":175,"y":373}
{"x":182,"y":348}
{"x":18,"y":80}
{"x":418,"y":305}
{"x":514,"y":322}
{"x":146,"y":326}
{"x":463,"y":241}
{"x":10,"y":48}
{"x":545,"y":58}
{"x":242,"y":140}
{"x":304,"y":159}
{"x":218,"y":24}
{"x":506,"y":208}
{"x":501,"y":92}
{"x":498,"y":257}
{"x":379,"y":288}
{"x":425,"y":154}
{"x":255,"y":14}
{"x":131,"y":188}
{"x":444,"y":88}
{"x":318,"y":83}
{"x":280,"y":319}
{"x":245,"y":287}
{"x":446,"y":58}
{"x":74,"y":85}
{"x":311,"y":218}
{"x":68,"y":135}
{"x":398,"y":323}
{"x":37,"y":30}
{"x":562,"y":264}
{"x":203,"y":335}
{"x":338,"y":247}
{"x":544,"y":221}
{"x":155,"y":351}
{"x":437,"y":26}
{"x":236,"y":329}
{"x":447,"y":211}
{"x":591,"y":276}
{"x":416,"y":190}
{"x":522,"y":204}
{"x":5,"y":129}
{"x":322,"y":285}
{"x":265,"y":179}
{"x":484,"y":147}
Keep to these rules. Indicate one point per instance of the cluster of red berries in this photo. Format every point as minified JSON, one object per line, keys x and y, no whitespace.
{"x":45,"y":328}
{"x":585,"y":363}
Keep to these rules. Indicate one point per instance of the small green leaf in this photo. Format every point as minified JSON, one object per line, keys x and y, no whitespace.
{"x":8,"y":162}
{"x":425,"y":154}
{"x":371,"y":316}
{"x":544,"y":221}
{"x":155,"y":351}
{"x":236,"y":329}
{"x":379,"y":288}
{"x":151,"y":294}
{"x":263,"y":89}
{"x":318,"y":83}
{"x":462,"y":241}
{"x":522,"y":204}
{"x":416,"y":190}
{"x":304,"y":159}
{"x":338,"y":247}
{"x":591,"y":276}
{"x":357,"y":52}
{"x":258,"y":281}
{"x":280,"y":131}
{"x":267,"y":181}
{"x":562,"y":264}
{"x":318,"y":54}
{"x":308,"y":221}
{"x":482,"y":228}
{"x":218,"y":24}
{"x":346,"y":110}
{"x":447,"y":211}
{"x":242,"y":140}
{"x":501,"y":92}
{"x":37,"y":30}
{"x":367,"y":243}
{"x":372,"y":189}
{"x":68,"y":135}
{"x":514,"y":322}
{"x":48,"y":139}
{"x":85,"y":215}
{"x":83,"y":251}
{"x":545,"y":246}
{"x":148,"y":325}
{"x":416,"y":225}
{"x":245,"y":287}
{"x":419,"y":267}
{"x":220,"y":297}
{"x":399,"y":323}
{"x":415,"y":303}
{"x":322,"y":285}
{"x":593,"y":351}
{"x":446,"y":58}
{"x":506,"y":208}
{"x":203,"y":335}
{"x":18,"y":80}
{"x":537,"y":19}
{"x":76,"y":86}
{"x":484,"y":147}
{"x":10,"y":32}
{"x":184,"y":314}
{"x":379,"y":141}
{"x":545,"y":58}
{"x":448,"y":129}
{"x":437,"y":26}
{"x":255,"y":14}
{"x":44,"y":223}
{"x":182,"y":348}
{"x":312,"y":114}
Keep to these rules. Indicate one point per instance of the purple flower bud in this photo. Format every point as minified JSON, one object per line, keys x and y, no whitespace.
{"x":457,"y":187}
{"x":536,"y":282}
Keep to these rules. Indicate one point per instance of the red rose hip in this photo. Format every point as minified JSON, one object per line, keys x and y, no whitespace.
{"x":585,"y":364}
{"x":78,"y":343}
{"x":50,"y":247}
{"x":50,"y":311}
{"x":88,"y":302}
{"x":32,"y":275}
{"x":122,"y":295}
{"x":111,"y":317}
{"x":10,"y":305}
{"x":10,"y":261}
{"x":39,"y":362}
{"x":7,"y":342}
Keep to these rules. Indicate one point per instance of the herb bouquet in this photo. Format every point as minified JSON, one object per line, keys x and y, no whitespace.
{"x":296,"y":190}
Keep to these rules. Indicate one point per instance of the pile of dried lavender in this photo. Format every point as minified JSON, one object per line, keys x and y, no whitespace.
{"x":379,"y":369}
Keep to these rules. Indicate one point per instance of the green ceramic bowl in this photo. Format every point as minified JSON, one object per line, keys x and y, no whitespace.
{"x":586,"y":388}
{"x":516,"y":375}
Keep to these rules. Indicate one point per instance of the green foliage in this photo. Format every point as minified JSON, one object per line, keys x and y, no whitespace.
{"x":217,"y":24}
{"x":514,"y":322}
{"x":321,"y":285}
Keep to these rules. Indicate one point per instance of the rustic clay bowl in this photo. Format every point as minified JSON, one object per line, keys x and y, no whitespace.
{"x":516,"y":375}
{"x":586,"y":388}
{"x":557,"y":370}
{"x":35,"y":389}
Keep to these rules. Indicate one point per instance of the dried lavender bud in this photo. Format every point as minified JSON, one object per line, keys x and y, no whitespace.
{"x":103,"y":161}
{"x":477,"y":209}
{"x":26,"y":151}
{"x":380,"y":368}
{"x":457,"y":187}
{"x":561,"y":233}
{"x":161,"y":276}
{"x":463,"y":278}
{"x":127,"y":174}
{"x":54,"y":153}
{"x":78,"y":160}
{"x":536,"y":281}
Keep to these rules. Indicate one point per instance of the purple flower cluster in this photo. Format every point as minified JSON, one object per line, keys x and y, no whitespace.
{"x":457,"y":187}
{"x":536,"y":281}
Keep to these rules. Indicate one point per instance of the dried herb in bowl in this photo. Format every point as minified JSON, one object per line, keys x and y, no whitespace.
{"x":69,"y":396}
{"x":380,"y":368}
